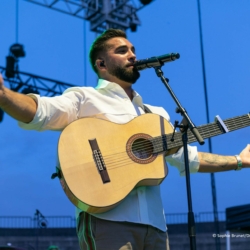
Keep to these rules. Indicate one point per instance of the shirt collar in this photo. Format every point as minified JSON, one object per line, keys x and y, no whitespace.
{"x":104,"y":84}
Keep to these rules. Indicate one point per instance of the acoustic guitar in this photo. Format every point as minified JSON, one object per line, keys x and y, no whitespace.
{"x":101,"y":162}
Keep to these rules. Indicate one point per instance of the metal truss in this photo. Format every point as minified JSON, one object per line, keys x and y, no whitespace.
{"x":102,"y":14}
{"x":29,"y":83}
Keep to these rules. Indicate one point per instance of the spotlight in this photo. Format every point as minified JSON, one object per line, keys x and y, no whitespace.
{"x":1,"y":115}
{"x":17,"y":50}
{"x":30,"y":90}
{"x":145,"y":2}
{"x":133,"y":27}
{"x":10,"y":66}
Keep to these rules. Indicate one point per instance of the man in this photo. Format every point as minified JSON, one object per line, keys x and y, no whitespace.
{"x":138,"y":221}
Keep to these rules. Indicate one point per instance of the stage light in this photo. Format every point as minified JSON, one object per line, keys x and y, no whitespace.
{"x":17,"y":50}
{"x":10,"y":66}
{"x":1,"y":115}
{"x":133,"y":27}
{"x":145,"y":2}
{"x":30,"y":90}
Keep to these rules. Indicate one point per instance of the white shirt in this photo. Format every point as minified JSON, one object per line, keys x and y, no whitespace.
{"x":110,"y":102}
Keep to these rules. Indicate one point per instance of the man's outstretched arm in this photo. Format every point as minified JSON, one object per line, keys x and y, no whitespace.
{"x":210,"y":163}
{"x":21,"y":107}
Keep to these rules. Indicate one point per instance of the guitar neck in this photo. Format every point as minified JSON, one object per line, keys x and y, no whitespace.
{"x":206,"y":131}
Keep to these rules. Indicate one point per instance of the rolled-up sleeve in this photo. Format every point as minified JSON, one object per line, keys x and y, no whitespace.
{"x":54,"y":113}
{"x":177,"y":160}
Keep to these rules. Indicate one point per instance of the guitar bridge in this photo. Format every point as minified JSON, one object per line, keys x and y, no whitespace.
{"x":100,"y":164}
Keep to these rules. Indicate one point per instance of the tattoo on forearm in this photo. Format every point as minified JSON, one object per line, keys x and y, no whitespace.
{"x":217,"y":160}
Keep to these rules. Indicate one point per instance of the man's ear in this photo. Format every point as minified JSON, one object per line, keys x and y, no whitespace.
{"x":100,"y":64}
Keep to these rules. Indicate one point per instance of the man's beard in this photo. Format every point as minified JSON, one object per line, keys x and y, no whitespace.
{"x":125,"y":74}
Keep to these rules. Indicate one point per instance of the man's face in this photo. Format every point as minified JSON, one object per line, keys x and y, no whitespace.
{"x":119,"y":60}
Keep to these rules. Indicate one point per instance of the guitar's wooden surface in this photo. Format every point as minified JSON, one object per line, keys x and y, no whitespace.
{"x":81,"y":179}
{"x":150,"y":134}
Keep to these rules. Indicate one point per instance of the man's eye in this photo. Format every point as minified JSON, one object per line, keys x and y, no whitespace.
{"x":122,"y":51}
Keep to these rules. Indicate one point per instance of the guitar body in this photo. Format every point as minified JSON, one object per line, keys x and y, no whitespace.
{"x":118,"y":145}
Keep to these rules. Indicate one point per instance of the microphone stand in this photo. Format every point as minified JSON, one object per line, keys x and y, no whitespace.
{"x":187,"y":124}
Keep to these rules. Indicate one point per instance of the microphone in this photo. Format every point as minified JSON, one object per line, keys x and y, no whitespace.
{"x":155,"y":61}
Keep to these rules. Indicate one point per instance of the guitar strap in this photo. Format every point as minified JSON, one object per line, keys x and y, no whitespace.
{"x":146,"y":109}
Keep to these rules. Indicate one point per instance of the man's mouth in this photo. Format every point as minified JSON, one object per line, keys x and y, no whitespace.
{"x":130,"y":65}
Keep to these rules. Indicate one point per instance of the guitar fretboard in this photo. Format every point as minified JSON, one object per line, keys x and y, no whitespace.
{"x":209,"y":130}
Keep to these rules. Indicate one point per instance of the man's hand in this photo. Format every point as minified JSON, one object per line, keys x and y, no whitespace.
{"x":245,"y":156}
{"x":21,"y":107}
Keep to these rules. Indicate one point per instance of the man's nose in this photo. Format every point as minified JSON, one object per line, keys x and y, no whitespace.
{"x":132,"y":56}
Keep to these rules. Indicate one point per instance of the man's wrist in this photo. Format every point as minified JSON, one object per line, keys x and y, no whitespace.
{"x":239,"y":163}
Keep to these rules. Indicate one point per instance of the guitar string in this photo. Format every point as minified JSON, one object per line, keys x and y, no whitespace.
{"x":125,"y":160}
{"x":177,"y":142}
{"x":122,"y":160}
{"x":209,"y":131}
{"x":124,"y":154}
{"x":141,"y":145}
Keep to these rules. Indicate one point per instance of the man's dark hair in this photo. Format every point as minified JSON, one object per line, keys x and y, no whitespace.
{"x":100,"y":45}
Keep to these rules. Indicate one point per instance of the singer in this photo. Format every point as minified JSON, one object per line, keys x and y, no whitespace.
{"x":138,"y":221}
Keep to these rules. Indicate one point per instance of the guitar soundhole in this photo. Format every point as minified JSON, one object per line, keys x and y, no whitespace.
{"x":140,"y":148}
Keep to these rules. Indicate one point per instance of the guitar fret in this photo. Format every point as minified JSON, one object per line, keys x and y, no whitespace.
{"x":206,"y":131}
{"x":238,"y":122}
